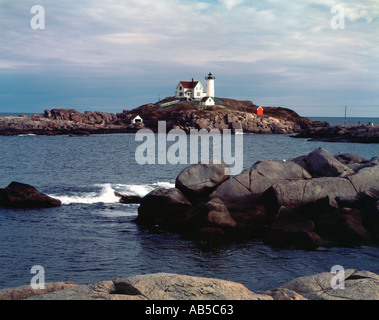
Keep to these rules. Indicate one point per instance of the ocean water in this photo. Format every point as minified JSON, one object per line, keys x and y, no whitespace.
{"x":93,"y":237}
{"x":335,"y":121}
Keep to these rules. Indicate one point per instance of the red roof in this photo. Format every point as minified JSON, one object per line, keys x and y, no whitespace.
{"x":189,"y":84}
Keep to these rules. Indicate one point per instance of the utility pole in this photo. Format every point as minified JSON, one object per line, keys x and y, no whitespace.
{"x":345,"y":115}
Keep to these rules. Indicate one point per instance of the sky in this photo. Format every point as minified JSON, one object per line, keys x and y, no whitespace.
{"x":315,"y":57}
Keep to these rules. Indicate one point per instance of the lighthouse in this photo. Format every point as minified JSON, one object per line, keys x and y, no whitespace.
{"x":210,"y":91}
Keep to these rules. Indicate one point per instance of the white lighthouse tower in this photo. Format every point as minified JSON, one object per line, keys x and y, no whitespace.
{"x":210,"y":91}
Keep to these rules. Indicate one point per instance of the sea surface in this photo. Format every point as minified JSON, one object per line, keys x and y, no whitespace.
{"x":93,"y":237}
{"x":334,"y":121}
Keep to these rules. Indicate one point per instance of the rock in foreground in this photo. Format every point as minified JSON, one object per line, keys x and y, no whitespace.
{"x":358,"y":285}
{"x":160,"y":286}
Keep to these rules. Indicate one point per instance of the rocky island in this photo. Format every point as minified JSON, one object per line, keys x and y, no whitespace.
{"x":226,"y":114}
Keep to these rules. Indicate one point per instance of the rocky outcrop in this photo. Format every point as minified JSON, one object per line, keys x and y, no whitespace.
{"x":358,"y":285}
{"x":89,"y":117}
{"x":220,"y":117}
{"x":310,"y":201}
{"x":342,"y":133}
{"x":20,"y":195}
{"x":230,"y":114}
{"x":65,"y":121}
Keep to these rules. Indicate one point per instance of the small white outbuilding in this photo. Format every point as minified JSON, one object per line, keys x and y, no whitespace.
{"x":207,"y":101}
{"x":137,"y":119}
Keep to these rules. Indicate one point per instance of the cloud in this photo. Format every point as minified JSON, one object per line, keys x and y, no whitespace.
{"x":230,"y":4}
{"x":271,"y":44}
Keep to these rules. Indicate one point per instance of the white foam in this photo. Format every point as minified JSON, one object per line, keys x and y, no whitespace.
{"x":141,"y":190}
{"x":107,"y":193}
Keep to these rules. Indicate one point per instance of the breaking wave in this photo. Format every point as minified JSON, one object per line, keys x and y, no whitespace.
{"x":106,"y":193}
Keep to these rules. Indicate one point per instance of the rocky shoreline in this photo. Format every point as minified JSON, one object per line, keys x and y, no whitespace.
{"x":357,"y":285}
{"x":228,"y":114}
{"x":342,"y":133}
{"x":232,"y":114}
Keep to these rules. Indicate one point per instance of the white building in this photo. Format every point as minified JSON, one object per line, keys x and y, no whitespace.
{"x":137,"y":119}
{"x":194,"y":90}
{"x":210,"y":85}
{"x":207,"y":101}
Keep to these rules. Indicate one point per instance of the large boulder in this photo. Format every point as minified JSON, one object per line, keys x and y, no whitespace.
{"x":165,"y":286}
{"x":344,"y":225}
{"x":322,"y":164}
{"x":20,"y":195}
{"x":198,"y":180}
{"x":162,"y":205}
{"x":349,"y":158}
{"x":295,"y":194}
{"x":357,"y":285}
{"x":289,"y":229}
{"x":210,"y":214}
{"x":365,"y":179}
{"x":245,"y":189}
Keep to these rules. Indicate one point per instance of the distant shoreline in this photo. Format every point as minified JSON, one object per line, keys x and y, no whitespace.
{"x":227,"y":114}
{"x":232,"y":114}
{"x":356,"y":133}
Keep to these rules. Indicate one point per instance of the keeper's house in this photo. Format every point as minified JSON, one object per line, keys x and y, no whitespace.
{"x":192,"y":90}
